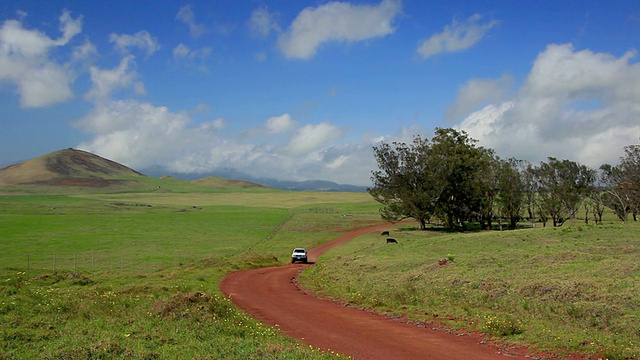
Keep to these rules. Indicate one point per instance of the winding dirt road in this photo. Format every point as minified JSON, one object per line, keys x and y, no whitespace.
{"x":271,"y":295}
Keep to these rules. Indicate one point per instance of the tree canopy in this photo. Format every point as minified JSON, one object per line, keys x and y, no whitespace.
{"x":423,"y":180}
{"x":452,"y":181}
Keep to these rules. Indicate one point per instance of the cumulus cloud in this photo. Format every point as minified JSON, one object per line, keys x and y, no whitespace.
{"x":142,"y":40}
{"x":105,"y":82}
{"x":456,"y":36}
{"x":140,"y":135}
{"x":280,"y":124}
{"x":188,"y":17}
{"x":311,"y":137}
{"x":577,"y":105}
{"x":263,"y":23}
{"x":40,"y":80}
{"x":478,"y":92}
{"x":337,"y":21}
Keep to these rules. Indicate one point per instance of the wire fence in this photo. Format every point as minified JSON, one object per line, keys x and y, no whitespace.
{"x":34,"y":265}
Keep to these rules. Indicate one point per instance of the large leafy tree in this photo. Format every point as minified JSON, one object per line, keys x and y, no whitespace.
{"x":458,"y":164}
{"x":562,"y":185}
{"x":425,"y":179}
{"x":404,"y":182}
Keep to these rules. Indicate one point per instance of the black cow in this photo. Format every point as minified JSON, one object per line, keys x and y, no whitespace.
{"x":391,"y":241}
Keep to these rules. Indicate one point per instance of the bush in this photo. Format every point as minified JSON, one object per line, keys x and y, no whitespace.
{"x":502,"y":326}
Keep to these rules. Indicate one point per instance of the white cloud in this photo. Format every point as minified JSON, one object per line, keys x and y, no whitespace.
{"x":262,"y":22}
{"x":280,"y":124}
{"x":142,"y":40}
{"x":478,"y":92}
{"x":141,"y":135}
{"x":194,"y":59}
{"x":24,"y":62}
{"x":337,"y":21}
{"x":577,"y":105}
{"x":312,"y":137}
{"x":456,"y":36}
{"x":105,"y":82}
{"x":187,"y":16}
{"x":134,"y":133}
{"x":83,"y":52}
{"x":69,"y":27}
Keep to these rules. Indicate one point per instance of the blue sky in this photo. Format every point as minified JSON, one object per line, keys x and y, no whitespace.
{"x":301,"y":90}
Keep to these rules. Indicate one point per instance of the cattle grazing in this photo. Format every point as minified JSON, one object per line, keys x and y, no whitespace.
{"x":391,"y":241}
{"x":384,"y":233}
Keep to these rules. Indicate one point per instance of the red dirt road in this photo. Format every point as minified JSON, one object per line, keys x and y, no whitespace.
{"x":271,"y":295}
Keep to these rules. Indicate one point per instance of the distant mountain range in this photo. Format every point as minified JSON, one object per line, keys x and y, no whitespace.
{"x":71,"y":168}
{"x":309,"y":185}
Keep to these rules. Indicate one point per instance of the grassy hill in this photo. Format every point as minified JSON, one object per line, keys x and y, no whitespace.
{"x":75,"y":171}
{"x":69,"y":168}
{"x":222,"y":183}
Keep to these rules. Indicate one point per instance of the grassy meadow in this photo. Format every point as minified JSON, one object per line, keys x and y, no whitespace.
{"x":135,"y":275}
{"x":572,"y":289}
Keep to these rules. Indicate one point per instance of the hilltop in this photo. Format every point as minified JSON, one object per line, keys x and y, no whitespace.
{"x":70,"y":168}
{"x":76,"y":170}
{"x":223,"y":183}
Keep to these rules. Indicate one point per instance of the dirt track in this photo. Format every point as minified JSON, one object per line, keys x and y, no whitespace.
{"x":271,"y":295}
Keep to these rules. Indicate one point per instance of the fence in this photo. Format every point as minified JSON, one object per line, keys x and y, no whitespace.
{"x":34,"y":265}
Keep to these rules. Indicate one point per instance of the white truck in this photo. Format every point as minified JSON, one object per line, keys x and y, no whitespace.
{"x":299,"y":254}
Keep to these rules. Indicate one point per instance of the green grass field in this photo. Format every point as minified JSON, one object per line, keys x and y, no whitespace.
{"x":573,"y":289}
{"x":136,"y":275}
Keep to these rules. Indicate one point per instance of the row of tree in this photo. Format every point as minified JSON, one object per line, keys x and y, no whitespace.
{"x":451,"y":180}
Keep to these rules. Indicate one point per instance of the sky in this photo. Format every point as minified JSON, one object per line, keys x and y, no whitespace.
{"x":300,"y":90}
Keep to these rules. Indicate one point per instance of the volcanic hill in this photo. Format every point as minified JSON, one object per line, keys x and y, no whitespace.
{"x":70,"y":168}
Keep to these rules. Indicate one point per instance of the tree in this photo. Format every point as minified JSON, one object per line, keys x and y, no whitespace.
{"x":458,"y":163}
{"x":511,"y":190}
{"x":528,"y":176}
{"x":622,"y":191}
{"x":404,"y":182}
{"x":630,"y":180}
{"x":614,"y":195}
{"x":562,"y":186}
{"x":425,"y":179}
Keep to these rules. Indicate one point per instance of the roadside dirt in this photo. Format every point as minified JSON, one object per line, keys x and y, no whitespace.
{"x":272,"y":296}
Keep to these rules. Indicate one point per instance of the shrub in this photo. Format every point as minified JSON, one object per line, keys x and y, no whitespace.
{"x":502,"y":326}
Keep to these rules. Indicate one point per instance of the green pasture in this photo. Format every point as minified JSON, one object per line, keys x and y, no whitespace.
{"x":572,"y":289}
{"x":136,"y":275}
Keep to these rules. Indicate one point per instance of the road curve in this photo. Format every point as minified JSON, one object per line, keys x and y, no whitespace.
{"x":271,"y":296}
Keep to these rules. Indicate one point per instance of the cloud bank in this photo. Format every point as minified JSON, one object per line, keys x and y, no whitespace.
{"x":577,"y":105}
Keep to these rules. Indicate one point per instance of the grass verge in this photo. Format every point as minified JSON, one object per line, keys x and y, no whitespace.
{"x":574,"y":289}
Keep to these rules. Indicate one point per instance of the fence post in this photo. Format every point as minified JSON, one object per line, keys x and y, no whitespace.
{"x":28,"y":267}
{"x":54,"y":263}
{"x":75,"y":264}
